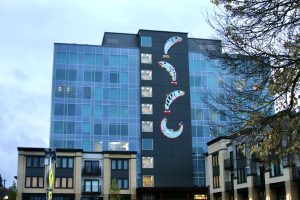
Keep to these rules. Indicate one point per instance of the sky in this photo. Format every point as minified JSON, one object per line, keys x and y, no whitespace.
{"x":29,"y":29}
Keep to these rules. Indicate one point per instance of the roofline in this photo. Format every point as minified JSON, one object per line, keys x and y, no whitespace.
{"x":161,"y":31}
{"x":192,"y":38}
{"x":119,"y":152}
{"x":218,"y":139}
{"x":40,"y":149}
{"x":93,"y":45}
{"x":119,"y":33}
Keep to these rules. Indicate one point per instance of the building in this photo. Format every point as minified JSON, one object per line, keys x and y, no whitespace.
{"x":78,"y":175}
{"x":234,"y":176}
{"x":120,"y":96}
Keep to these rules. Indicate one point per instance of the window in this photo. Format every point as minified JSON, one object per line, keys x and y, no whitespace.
{"x":216,"y":181}
{"x":146,"y":91}
{"x":71,"y":109}
{"x":147,"y":126}
{"x":69,"y":128}
{"x":60,"y":74}
{"x":87,"y":75}
{"x":123,"y":61}
{"x":87,"y":93}
{"x":61,"y":57}
{"x":241,"y":175}
{"x":91,"y":166}
{"x":34,"y":182}
{"x":86,"y":128}
{"x":97,"y":76}
{"x":64,"y":182}
{"x":119,"y":164}
{"x":146,"y":58}
{"x":146,"y":41}
{"x":98,"y":111}
{"x":123,"y":77}
{"x":114,"y":77}
{"x":215,"y":160}
{"x":86,"y":110}
{"x":34,"y":162}
{"x":146,"y":75}
{"x":97,"y":129}
{"x":113,"y":94}
{"x":91,"y":186}
{"x":118,"y":146}
{"x":64,"y":162}
{"x":147,"y":162}
{"x":240,"y":151}
{"x":147,"y":144}
{"x":148,"y":181}
{"x":98,"y":93}
{"x":122,"y":182}
{"x":147,"y":109}
{"x":276,"y":169}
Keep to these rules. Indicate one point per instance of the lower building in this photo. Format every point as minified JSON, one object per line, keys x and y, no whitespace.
{"x":76,"y":174}
{"x":231,"y":175}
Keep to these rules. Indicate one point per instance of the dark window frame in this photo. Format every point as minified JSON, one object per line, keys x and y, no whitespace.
{"x":31,"y":177}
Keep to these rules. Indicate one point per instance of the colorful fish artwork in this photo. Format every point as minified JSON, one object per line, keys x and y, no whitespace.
{"x":171,"y":97}
{"x":170,"y":42}
{"x":170,"y":69}
{"x":170,"y":133}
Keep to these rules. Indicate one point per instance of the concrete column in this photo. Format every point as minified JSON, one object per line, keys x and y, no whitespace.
{"x":291,"y":190}
{"x":225,"y":196}
{"x":236,"y":195}
{"x":270,"y":194}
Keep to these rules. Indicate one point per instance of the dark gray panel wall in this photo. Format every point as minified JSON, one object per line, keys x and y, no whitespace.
{"x":172,"y":157}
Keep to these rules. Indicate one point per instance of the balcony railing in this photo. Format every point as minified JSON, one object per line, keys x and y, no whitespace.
{"x":91,"y":171}
{"x":296,"y":173}
{"x":228,"y":164}
{"x":229,"y":186}
{"x":92,"y":190}
{"x":241,"y":162}
{"x":258,"y":181}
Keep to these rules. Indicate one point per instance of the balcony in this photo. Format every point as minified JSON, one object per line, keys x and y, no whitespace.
{"x":228,"y":164}
{"x":258,"y":181}
{"x":91,"y":191}
{"x":91,"y":171}
{"x":241,"y":162}
{"x":296,"y":173}
{"x":229,"y":186}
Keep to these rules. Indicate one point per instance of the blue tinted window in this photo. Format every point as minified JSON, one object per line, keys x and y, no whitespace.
{"x":98,"y":59}
{"x":86,"y":145}
{"x":87,"y":76}
{"x":98,"y":77}
{"x":86,"y":127}
{"x":88,"y":59}
{"x":98,"y":93}
{"x":113,"y":94}
{"x":123,"y":60}
{"x":72,"y":75}
{"x":71,"y":109}
{"x":98,"y":111}
{"x":113,"y":111}
{"x":113,"y":60}
{"x":113,"y":129}
{"x":73,"y":58}
{"x":147,"y":144}
{"x":198,"y":82}
{"x":58,"y":127}
{"x":59,"y":109}
{"x":123,"y":111}
{"x":197,"y":65}
{"x":114,"y":78}
{"x":124,"y":77}
{"x":60,"y":74}
{"x":211,"y":81}
{"x":62,"y":58}
{"x":70,"y":128}
{"x":97,"y":129}
{"x":124,"y":129}
{"x":124,"y":94}
{"x":146,"y":41}
{"x":86,"y":110}
{"x":87,"y":93}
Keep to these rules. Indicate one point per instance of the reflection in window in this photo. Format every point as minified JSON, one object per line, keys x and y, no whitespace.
{"x":147,"y":109}
{"x":147,"y":144}
{"x":146,"y":91}
{"x":148,"y":181}
{"x":147,"y":126}
{"x":146,"y":58}
{"x":146,"y":75}
{"x":146,"y":41}
{"x":118,"y":146}
{"x":147,"y":162}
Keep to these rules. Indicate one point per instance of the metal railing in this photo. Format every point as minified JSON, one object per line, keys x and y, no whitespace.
{"x":91,"y":171}
{"x":228,"y":164}
{"x":229,"y":186}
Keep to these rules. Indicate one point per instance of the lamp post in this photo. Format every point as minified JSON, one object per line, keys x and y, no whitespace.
{"x":50,"y":157}
{"x":5,"y":197}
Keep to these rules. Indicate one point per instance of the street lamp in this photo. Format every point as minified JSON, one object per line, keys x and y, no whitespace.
{"x":5,"y":197}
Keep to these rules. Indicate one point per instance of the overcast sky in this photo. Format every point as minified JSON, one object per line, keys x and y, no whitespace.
{"x":29,"y":29}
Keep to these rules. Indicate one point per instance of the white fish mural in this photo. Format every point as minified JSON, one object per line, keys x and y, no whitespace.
{"x":170,"y":42}
{"x":170,"y":133}
{"x":171,"y":97}
{"x":170,"y":69}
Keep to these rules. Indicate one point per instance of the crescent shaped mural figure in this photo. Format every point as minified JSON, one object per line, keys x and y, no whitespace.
{"x":170,"y":42}
{"x":170,"y":69}
{"x":170,"y":133}
{"x":171,"y":97}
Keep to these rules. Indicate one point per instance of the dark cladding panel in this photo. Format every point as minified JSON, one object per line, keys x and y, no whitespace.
{"x":205,"y":46}
{"x":120,"y":40}
{"x":172,"y":156}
